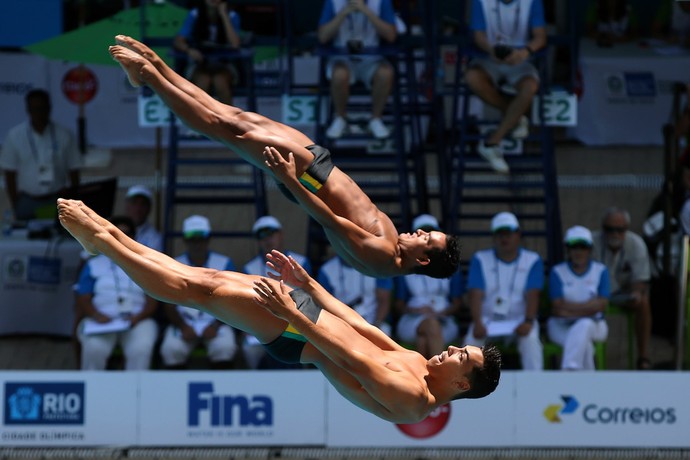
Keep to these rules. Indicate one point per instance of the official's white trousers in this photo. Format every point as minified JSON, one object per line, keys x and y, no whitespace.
{"x":577,"y":339}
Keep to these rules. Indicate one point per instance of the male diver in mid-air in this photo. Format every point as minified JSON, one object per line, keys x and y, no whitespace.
{"x":297,"y":320}
{"x":359,"y":231}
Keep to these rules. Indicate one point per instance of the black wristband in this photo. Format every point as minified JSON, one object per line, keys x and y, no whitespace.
{"x":528,"y":319}
{"x":529,"y":50}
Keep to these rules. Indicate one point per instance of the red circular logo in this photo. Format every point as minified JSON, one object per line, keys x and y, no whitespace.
{"x":79,"y":85}
{"x":430,"y":426}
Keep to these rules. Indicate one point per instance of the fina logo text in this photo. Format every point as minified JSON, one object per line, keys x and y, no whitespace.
{"x":226,"y":410}
{"x":40,"y":403}
{"x":594,"y":413}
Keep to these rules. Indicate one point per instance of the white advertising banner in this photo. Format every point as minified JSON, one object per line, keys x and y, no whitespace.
{"x":68,"y":408}
{"x":111,"y":114}
{"x":603,"y":409}
{"x":627,"y":93}
{"x":233,"y":408}
{"x":19,"y":73}
{"x":114,"y":114}
{"x":110,"y":107}
{"x":37,"y":285}
{"x":483,"y":422}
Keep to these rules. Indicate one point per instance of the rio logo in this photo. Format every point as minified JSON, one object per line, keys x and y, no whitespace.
{"x":226,"y":410}
{"x":430,"y":426}
{"x":44,"y":403}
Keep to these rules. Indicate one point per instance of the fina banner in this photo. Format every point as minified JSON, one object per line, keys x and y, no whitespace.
{"x":595,"y":409}
{"x":233,"y":408}
{"x":68,"y":408}
{"x":483,"y":422}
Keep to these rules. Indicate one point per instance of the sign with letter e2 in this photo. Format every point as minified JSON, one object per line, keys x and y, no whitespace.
{"x":560,"y":109}
{"x":152,"y":110}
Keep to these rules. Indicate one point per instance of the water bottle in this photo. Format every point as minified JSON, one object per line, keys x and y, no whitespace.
{"x":7,"y":221}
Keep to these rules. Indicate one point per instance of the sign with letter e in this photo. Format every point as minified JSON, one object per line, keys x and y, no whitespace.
{"x":152,"y":111}
{"x":560,"y":109}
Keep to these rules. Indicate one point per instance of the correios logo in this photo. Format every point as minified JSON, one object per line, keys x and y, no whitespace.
{"x":430,"y":426}
{"x":600,"y":414}
{"x":553,"y":411}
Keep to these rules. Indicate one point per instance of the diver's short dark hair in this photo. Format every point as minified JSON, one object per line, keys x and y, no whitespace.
{"x":443,"y":263}
{"x":484,"y":380}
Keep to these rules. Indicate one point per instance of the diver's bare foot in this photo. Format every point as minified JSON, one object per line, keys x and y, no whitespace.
{"x":102,"y":222}
{"x":78,"y":224}
{"x":131,"y":62}
{"x":138,"y":47}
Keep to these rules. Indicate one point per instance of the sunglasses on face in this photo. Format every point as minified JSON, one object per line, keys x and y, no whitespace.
{"x":265,"y":232}
{"x":612,"y":229}
{"x":580,"y":246}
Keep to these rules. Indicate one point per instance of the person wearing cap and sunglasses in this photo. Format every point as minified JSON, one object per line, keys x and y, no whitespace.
{"x":504,"y":284}
{"x":190,"y":326}
{"x":357,"y":229}
{"x":579,"y":291}
{"x":269,"y":236}
{"x":138,"y":208}
{"x":626,"y":256}
{"x":299,"y":321}
{"x":428,"y":306}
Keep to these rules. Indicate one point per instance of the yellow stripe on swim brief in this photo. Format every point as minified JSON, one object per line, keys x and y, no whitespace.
{"x":293,"y":333}
{"x":310,"y":183}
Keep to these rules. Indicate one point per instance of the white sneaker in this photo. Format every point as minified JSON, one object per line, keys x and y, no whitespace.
{"x":337,"y":128}
{"x":521,"y":130}
{"x":494,"y":156}
{"x":378,"y":129}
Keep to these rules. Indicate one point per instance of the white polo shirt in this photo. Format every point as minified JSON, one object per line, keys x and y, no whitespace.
{"x":42,"y":161}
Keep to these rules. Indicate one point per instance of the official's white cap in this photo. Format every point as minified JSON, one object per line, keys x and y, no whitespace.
{"x":578,"y":235}
{"x":504,"y":221}
{"x":139,"y":190}
{"x":196,"y":227}
{"x":266,"y":223}
{"x":425,"y":222}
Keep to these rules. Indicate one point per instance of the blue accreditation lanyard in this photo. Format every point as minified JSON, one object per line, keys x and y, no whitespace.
{"x":499,"y":299}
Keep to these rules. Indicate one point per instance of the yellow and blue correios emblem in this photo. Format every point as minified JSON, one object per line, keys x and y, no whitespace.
{"x":553,"y":411}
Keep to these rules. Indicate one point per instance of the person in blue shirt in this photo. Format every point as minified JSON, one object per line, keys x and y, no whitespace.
{"x":579,"y":289}
{"x":269,"y":236}
{"x":428,"y":306}
{"x":368,"y":296}
{"x":353,"y":25}
{"x":210,"y":26}
{"x":504,"y":285}
{"x":115,"y":311}
{"x":188,"y":326}
{"x":508,"y":33}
